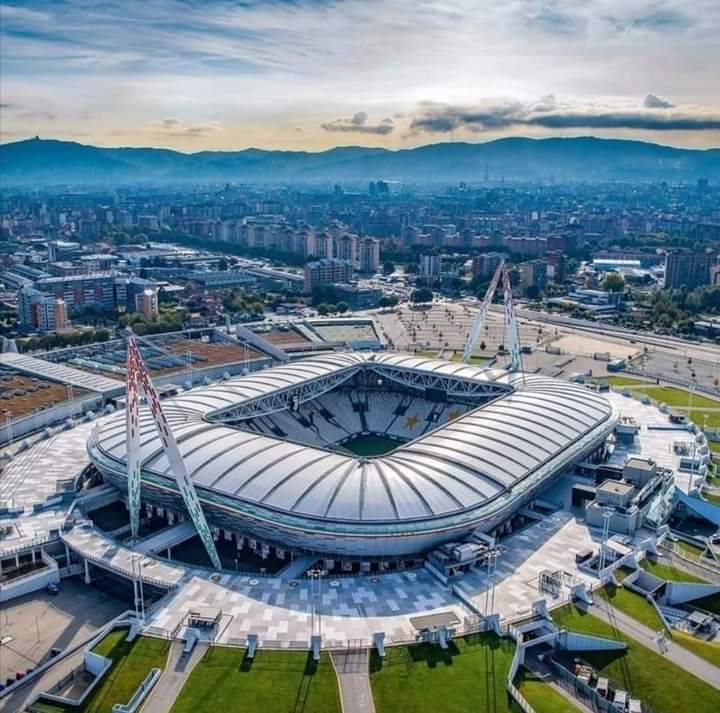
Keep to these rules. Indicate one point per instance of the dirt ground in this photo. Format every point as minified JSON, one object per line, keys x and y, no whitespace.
{"x":39,"y":394}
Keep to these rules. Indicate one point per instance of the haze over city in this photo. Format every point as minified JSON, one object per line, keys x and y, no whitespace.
{"x":311,"y":74}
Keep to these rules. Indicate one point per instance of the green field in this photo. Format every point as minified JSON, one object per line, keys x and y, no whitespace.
{"x":224,"y":680}
{"x":131,"y":663}
{"x":467,"y":677}
{"x":541,"y":696}
{"x":662,"y":685}
{"x":715,"y":446}
{"x":668,"y":572}
{"x":633,"y":604}
{"x":370,"y":445}
{"x":624,"y":381}
{"x":687,"y":549}
{"x":708,"y":650}
{"x":676,"y":397}
{"x":458,"y":356}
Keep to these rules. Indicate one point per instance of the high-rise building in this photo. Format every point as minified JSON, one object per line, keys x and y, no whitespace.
{"x":533,"y":277}
{"x":346,"y":248}
{"x":327,"y":272}
{"x":429,"y":267}
{"x":557,"y":267}
{"x":37,"y":310}
{"x":95,"y":290}
{"x":484,"y":265}
{"x":688,"y":268}
{"x":323,"y":246}
{"x":146,"y":303}
{"x":368,"y":259}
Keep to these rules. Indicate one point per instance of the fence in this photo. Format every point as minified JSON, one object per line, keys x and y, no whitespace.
{"x":588,"y":695}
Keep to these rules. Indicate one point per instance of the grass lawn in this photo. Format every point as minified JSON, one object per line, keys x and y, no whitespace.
{"x":711,"y":497}
{"x":692,"y":551}
{"x":541,"y":696}
{"x":430,"y":354}
{"x":458,"y":356}
{"x":633,"y":604}
{"x":708,"y":650}
{"x":225,"y":680}
{"x":662,"y":685}
{"x":677,"y":398}
{"x":469,"y":676}
{"x":715,"y":446}
{"x":131,"y":663}
{"x":624,"y":381}
{"x":668,"y":571}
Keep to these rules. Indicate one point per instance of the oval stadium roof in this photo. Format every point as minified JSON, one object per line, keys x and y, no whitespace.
{"x":472,"y":460}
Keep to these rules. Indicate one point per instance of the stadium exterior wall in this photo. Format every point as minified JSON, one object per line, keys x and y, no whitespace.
{"x":371,"y":540}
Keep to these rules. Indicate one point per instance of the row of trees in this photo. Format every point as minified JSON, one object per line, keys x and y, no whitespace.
{"x":339,"y":308}
{"x":55,"y":341}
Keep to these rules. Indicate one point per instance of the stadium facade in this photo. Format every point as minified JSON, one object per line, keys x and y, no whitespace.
{"x":264,"y":451}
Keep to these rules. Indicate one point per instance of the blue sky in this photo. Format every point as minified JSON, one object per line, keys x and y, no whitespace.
{"x":311,"y":74}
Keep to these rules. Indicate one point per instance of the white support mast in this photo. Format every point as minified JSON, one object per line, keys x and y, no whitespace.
{"x":132,"y":431}
{"x":141,"y":379}
{"x":511,"y":324}
{"x":479,"y":323}
{"x":512,"y":329}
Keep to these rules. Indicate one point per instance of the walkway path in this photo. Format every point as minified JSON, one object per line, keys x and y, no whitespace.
{"x":354,"y":681}
{"x":646,"y":636}
{"x":704,"y":572}
{"x":179,"y":667}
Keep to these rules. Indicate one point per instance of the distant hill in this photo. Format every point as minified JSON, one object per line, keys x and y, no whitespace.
{"x":44,"y":162}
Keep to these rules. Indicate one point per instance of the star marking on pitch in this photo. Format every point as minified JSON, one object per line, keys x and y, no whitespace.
{"x":411,"y":422}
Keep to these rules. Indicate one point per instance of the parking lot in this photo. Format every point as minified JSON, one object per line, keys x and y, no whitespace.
{"x":34,"y":624}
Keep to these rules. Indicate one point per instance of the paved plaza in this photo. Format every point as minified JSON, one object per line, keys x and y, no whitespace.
{"x":280,"y":609}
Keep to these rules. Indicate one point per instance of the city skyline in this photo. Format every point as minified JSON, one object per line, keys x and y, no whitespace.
{"x":312,"y":75}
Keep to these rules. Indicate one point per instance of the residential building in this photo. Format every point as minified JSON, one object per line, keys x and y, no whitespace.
{"x":484,"y":265}
{"x":368,"y":259}
{"x":146,"y":303}
{"x":533,"y":277}
{"x":429,"y":268}
{"x":327,"y":272}
{"x":688,"y":269}
{"x":37,"y":310}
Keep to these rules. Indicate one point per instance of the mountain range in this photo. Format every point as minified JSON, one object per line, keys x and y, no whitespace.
{"x":51,"y":162}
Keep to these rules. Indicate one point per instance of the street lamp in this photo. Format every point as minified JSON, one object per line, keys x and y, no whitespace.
{"x":138,"y":587}
{"x":315,"y":610}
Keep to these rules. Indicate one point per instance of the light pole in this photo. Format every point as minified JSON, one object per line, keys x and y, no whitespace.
{"x":315,"y":606}
{"x":605,"y":533}
{"x":138,"y":588}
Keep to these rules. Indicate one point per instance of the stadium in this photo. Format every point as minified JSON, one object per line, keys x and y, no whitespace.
{"x":362,"y":455}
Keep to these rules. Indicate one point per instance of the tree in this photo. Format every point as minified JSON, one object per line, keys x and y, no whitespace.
{"x":388,"y":301}
{"x":342,"y":307}
{"x":322,"y":309}
{"x":423,"y":294}
{"x":388,"y":267}
{"x":614,"y":282}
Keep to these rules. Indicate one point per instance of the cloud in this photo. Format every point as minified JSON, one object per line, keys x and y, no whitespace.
{"x":358,"y":123}
{"x":653,"y":101}
{"x":180,"y":128}
{"x":654,"y":115}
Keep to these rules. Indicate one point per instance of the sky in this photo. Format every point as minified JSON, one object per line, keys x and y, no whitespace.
{"x":311,"y":74}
